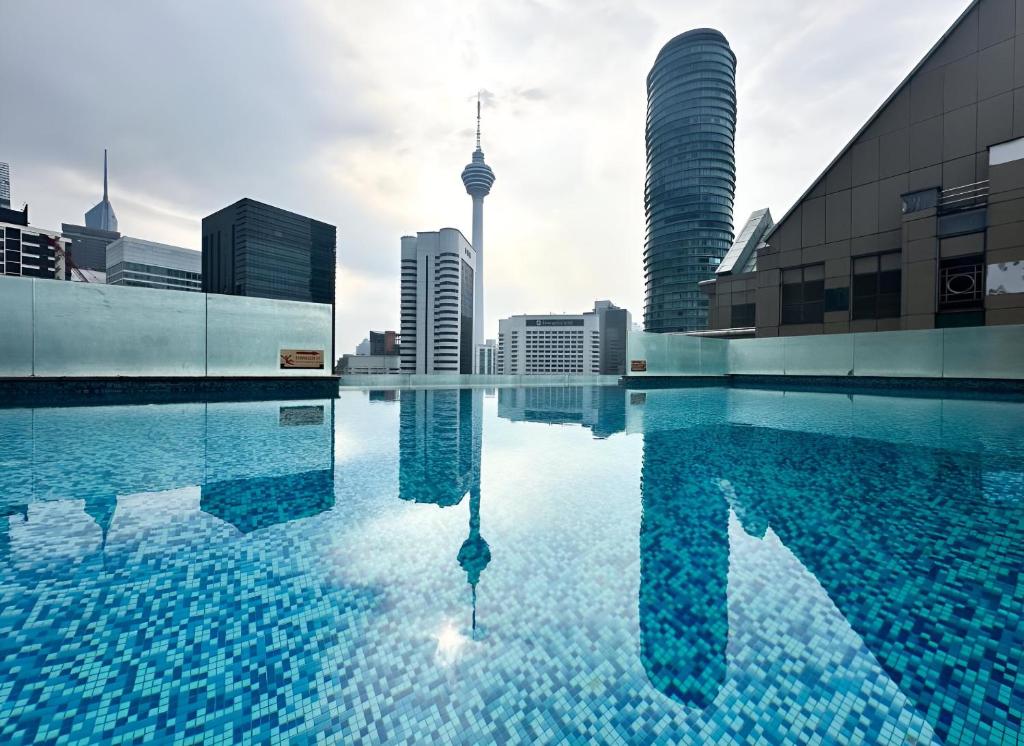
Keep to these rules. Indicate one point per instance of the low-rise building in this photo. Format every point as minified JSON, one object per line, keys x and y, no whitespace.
{"x":358,"y":365}
{"x":146,"y":264}
{"x":588,"y":343}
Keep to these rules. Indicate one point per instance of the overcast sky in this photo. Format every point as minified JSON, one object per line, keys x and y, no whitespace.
{"x":361,"y":114}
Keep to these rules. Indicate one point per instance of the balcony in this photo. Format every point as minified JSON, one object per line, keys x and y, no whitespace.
{"x":964,"y":197}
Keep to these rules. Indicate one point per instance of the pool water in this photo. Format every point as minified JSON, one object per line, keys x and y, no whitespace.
{"x":579,"y":564}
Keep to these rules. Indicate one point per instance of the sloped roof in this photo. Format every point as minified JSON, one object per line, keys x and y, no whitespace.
{"x":874,"y":117}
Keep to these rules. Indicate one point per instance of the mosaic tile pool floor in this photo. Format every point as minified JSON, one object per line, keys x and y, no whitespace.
{"x":539,"y":565}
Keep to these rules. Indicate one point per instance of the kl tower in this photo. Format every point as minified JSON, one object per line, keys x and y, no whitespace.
{"x":478,"y":178}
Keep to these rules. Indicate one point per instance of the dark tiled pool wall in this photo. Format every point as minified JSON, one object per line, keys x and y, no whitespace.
{"x":55,"y":392}
{"x":947,"y":388}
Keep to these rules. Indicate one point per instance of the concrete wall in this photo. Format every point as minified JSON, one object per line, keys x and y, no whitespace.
{"x":989,"y":352}
{"x":62,"y":329}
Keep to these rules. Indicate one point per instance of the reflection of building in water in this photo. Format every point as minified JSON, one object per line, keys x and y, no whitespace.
{"x":384,"y":395}
{"x":260,"y":463}
{"x":259,"y":502}
{"x":598,"y":408}
{"x":920,"y":561}
{"x":438,"y":444}
{"x":439,"y":441}
{"x":684,"y":568}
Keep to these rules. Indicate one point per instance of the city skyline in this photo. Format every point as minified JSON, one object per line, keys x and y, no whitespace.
{"x":373,"y":139}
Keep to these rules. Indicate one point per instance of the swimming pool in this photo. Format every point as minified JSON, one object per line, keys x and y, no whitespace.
{"x":705,"y":565}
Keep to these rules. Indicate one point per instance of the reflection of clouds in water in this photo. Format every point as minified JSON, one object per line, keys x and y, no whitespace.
{"x":54,"y":537}
{"x":450,"y":644}
{"x":821,"y":650}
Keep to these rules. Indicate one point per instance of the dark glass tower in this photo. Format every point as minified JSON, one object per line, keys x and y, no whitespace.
{"x":691,"y":176}
{"x":262,"y":251}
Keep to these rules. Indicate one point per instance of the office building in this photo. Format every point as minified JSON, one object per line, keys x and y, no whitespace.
{"x":257,"y":250}
{"x":918,"y":223}
{"x":146,"y":264}
{"x":437,"y":321}
{"x":363,"y":348}
{"x":384,"y":343}
{"x":587,"y":343}
{"x":87,"y":247}
{"x":102,"y":216}
{"x":691,"y":176}
{"x":29,"y":251}
{"x":485,"y":358}
{"x":478,"y":178}
{"x":5,"y":186}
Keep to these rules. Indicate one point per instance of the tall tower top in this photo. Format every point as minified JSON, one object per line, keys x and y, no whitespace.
{"x":102,"y":214}
{"x":477,"y":176}
{"x":478,"y":121}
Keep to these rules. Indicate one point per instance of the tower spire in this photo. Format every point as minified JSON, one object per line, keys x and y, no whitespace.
{"x":478,"y":120}
{"x":104,"y":174}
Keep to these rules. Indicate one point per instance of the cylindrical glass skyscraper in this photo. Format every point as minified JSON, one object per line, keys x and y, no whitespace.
{"x":691,"y":176}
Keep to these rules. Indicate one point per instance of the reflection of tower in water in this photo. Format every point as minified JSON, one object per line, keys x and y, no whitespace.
{"x":684,"y":568}
{"x":439,"y":462}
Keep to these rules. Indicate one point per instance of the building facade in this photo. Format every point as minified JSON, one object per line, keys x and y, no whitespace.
{"x":918,"y":223}
{"x":87,"y":247}
{"x":437,"y":302}
{"x":384,"y":343}
{"x":564,"y":343}
{"x":691,"y":176}
{"x":146,"y":264}
{"x":485,"y":358}
{"x":257,"y":250}
{"x":29,"y":251}
{"x":5,"y":186}
{"x":361,"y":365}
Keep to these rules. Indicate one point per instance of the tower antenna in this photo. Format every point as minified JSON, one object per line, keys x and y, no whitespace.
{"x":478,"y":120}
{"x":104,"y":174}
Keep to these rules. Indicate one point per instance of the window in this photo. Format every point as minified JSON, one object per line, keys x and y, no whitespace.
{"x":962,"y":284}
{"x":743,"y":315}
{"x":803,"y":295}
{"x":876,"y":286}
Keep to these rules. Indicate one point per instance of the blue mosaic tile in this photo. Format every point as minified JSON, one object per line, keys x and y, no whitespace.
{"x":540,"y":565}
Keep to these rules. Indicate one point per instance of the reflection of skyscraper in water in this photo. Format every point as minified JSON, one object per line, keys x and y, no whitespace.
{"x":598,"y":408}
{"x":439,"y":442}
{"x":684,"y":568}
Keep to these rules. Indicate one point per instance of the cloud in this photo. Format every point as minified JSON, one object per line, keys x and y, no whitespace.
{"x":362,"y":114}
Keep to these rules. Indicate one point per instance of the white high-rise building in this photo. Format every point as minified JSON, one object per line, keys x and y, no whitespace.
{"x":591,"y":342}
{"x":437,"y":315}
